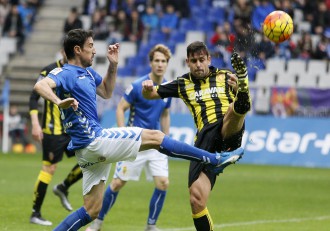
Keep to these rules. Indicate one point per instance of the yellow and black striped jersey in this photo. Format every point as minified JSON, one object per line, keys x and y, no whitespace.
{"x":51,"y":121}
{"x":208,"y":99}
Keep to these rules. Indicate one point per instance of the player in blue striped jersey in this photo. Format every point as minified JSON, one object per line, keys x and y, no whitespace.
{"x":76,"y":85}
{"x":151,"y":114}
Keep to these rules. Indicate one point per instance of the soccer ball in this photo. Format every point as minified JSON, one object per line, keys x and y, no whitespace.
{"x":278,"y":26}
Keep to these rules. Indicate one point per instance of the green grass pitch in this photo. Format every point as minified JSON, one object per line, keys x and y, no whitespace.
{"x":245,"y":198}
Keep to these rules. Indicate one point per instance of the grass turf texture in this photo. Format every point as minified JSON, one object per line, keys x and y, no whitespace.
{"x":246,"y":197}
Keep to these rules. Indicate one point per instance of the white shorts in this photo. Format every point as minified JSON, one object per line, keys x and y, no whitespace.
{"x":115,"y":144}
{"x":154,"y":162}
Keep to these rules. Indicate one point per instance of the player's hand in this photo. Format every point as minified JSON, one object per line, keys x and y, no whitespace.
{"x":113,"y":53}
{"x":232,"y":81}
{"x":147,"y":85}
{"x":68,"y":102}
{"x":37,"y":132}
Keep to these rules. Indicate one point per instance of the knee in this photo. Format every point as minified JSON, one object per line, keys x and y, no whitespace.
{"x":116,"y":184}
{"x":162,"y":184}
{"x":49,"y":168}
{"x":196,"y":201}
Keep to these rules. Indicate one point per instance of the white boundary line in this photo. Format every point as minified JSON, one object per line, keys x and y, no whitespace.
{"x":292,"y":220}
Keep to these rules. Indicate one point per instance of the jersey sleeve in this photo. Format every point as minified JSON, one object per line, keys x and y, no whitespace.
{"x":97,"y":77}
{"x":59,"y":77}
{"x":168,"y":103}
{"x":168,"y":89}
{"x":130,"y":94}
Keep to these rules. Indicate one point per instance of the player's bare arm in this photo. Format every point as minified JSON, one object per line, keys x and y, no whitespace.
{"x":123,"y":105}
{"x":36,"y":132}
{"x":148,"y":90}
{"x":165,"y":121}
{"x":105,"y":89}
{"x":45,"y":89}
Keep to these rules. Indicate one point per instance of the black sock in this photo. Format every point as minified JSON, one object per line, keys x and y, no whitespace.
{"x":74,"y":175}
{"x":242,"y":103}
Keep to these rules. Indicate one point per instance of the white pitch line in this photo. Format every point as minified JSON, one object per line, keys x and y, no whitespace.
{"x":292,"y":220}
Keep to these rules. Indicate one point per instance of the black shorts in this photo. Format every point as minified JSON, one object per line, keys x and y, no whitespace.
{"x":53,"y":147}
{"x":210,"y":139}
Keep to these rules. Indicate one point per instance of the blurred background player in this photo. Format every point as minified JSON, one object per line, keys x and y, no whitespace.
{"x":54,"y":144}
{"x":151,"y":114}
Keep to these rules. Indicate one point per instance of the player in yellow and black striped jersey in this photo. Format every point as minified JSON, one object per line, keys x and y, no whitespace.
{"x":218,"y":101}
{"x":54,"y":144}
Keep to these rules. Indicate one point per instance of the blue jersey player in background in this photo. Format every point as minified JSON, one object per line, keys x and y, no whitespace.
{"x":77,"y":85}
{"x":151,"y":114}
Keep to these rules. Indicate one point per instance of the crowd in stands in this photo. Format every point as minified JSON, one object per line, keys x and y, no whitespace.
{"x":17,"y":18}
{"x":228,"y":25}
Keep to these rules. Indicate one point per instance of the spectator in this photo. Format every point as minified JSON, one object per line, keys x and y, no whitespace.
{"x":126,"y":5}
{"x":261,"y":10}
{"x":244,"y":37}
{"x":169,"y":20}
{"x":305,"y":46}
{"x":181,"y":7}
{"x":99,"y":24}
{"x":118,"y":28}
{"x":222,"y":41}
{"x":321,"y":48}
{"x":72,"y":21}
{"x":284,"y":5}
{"x":150,"y":19}
{"x":14,"y":27}
{"x":264,"y":49}
{"x":4,"y":10}
{"x":286,"y":50}
{"x":242,"y":11}
{"x":27,"y":14}
{"x":321,"y":18}
{"x":134,"y":28}
{"x":89,"y":6}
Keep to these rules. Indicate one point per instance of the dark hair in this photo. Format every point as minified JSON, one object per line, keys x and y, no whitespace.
{"x":75,"y":37}
{"x":162,"y":49}
{"x":197,"y":47}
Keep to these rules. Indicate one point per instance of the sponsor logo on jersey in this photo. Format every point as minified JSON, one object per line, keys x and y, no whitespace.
{"x":56,"y":70}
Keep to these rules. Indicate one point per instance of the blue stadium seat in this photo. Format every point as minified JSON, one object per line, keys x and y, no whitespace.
{"x":187,"y":24}
{"x":144,"y":49}
{"x":253,"y":66}
{"x":193,"y":3}
{"x":177,"y":37}
{"x":157,"y":36}
{"x":204,"y":25}
{"x":125,"y":71}
{"x":142,"y":70}
{"x":218,"y":62}
{"x":198,"y":12}
{"x":216,"y":15}
{"x":133,"y":62}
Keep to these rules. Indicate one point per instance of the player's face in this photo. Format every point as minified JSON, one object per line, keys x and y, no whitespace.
{"x":198,"y":64}
{"x":87,"y":53}
{"x":158,"y":64}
